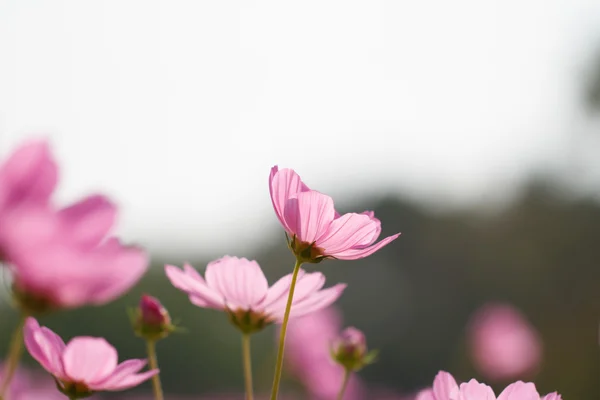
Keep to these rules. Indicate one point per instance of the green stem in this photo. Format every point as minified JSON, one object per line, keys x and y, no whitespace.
{"x":286,"y":317}
{"x":247,"y":365}
{"x":14,"y":355}
{"x":153,"y":364}
{"x":340,"y":395}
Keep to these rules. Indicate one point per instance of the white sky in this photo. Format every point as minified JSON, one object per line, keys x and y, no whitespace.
{"x":178,"y":109}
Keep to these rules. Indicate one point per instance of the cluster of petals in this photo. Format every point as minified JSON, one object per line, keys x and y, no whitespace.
{"x":309,"y":217}
{"x":446,"y":388}
{"x":234,"y":284}
{"x":88,"y":363}
{"x":504,"y":345}
{"x":60,"y":256}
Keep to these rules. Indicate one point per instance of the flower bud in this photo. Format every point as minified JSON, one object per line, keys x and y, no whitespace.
{"x":350,"y":350}
{"x":152,"y":320}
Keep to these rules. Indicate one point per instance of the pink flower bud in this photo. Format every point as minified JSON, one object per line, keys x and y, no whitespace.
{"x":350,"y":350}
{"x":152,"y":320}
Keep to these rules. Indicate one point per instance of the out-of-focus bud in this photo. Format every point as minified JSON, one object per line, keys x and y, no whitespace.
{"x":350,"y":350}
{"x":151,"y":320}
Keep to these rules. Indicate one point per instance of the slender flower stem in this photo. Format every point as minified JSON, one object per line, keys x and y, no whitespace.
{"x":14,"y":355}
{"x":153,"y":364}
{"x":347,"y":373}
{"x":286,"y":317}
{"x":247,"y":365}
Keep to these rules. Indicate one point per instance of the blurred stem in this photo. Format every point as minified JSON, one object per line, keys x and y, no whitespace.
{"x":347,"y":373}
{"x":286,"y":317}
{"x":153,"y":364}
{"x":14,"y":355}
{"x":247,"y":365}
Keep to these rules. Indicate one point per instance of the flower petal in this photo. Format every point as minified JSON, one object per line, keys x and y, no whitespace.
{"x":552,"y":396}
{"x":317,"y":301}
{"x":194,"y":285}
{"x":45,"y":346}
{"x":89,"y":220}
{"x":519,"y":391}
{"x":88,"y":359}
{"x":309,"y":215}
{"x":355,"y":254}
{"x":284,"y":185}
{"x":425,"y":394}
{"x":443,"y":385}
{"x":306,"y":285}
{"x":474,"y":390}
{"x":241,"y":282}
{"x":348,"y":231}
{"x":122,"y":371}
{"x":129,"y":381}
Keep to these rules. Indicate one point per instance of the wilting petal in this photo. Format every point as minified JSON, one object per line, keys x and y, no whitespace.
{"x":309,"y":215}
{"x":443,"y":385}
{"x":89,"y":220}
{"x":45,"y":346}
{"x":284,"y":185}
{"x":474,"y":390}
{"x":519,"y":391}
{"x":88,"y":359}
{"x":195,"y":286}
{"x":241,"y":282}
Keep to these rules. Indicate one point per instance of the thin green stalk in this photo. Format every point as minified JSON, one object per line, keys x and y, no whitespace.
{"x":153,"y":364}
{"x":286,"y":317}
{"x":247,"y":365}
{"x":347,"y":373}
{"x":14,"y":355}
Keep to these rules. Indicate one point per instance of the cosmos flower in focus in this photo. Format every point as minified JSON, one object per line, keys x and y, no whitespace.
{"x":316,"y":230}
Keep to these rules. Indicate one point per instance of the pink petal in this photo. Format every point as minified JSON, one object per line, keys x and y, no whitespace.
{"x":552,"y":396}
{"x":519,"y":391}
{"x":88,"y":359}
{"x":443,"y":385}
{"x":280,"y":289}
{"x":240,"y":281}
{"x":317,"y":301}
{"x":45,"y":346}
{"x":122,"y":371}
{"x":29,"y":175}
{"x":306,"y":284}
{"x":89,"y":220}
{"x":309,"y":215}
{"x":474,"y":390}
{"x":348,"y":231}
{"x":426,"y":394}
{"x":130,"y":381}
{"x":355,"y":254}
{"x":194,"y":285}
{"x":284,"y":185}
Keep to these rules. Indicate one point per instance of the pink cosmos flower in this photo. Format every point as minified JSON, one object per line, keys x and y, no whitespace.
{"x":446,"y":388}
{"x":238,"y":286}
{"x":83,"y":366}
{"x":59,"y":257}
{"x":317,"y":231}
{"x":308,"y":356}
{"x":504,"y":345}
{"x":29,"y":385}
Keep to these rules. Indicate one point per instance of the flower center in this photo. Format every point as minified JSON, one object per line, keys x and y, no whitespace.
{"x":249,"y":321}
{"x":74,"y":390}
{"x":306,"y":252}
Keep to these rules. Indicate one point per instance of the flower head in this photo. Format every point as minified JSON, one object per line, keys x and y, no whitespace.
{"x":239,"y":287}
{"x":350,"y":350}
{"x":446,"y":388}
{"x":504,"y":345}
{"x":83,"y":366}
{"x":151,"y":320}
{"x":317,"y":231}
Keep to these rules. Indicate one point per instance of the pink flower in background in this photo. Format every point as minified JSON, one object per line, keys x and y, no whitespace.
{"x":317,"y":231}
{"x":446,"y":388}
{"x":29,"y":385}
{"x":308,"y":356}
{"x":85,"y":365}
{"x":504,"y":345}
{"x":238,"y":286}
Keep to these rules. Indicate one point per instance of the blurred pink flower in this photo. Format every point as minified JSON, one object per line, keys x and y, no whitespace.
{"x":28,"y":385}
{"x":308,"y":356}
{"x":446,"y":388}
{"x":59,"y":257}
{"x":504,"y":345}
{"x":317,"y":230}
{"x":238,"y":286}
{"x":85,"y":365}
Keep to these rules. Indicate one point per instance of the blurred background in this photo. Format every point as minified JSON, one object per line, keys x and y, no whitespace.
{"x":472,"y":127}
